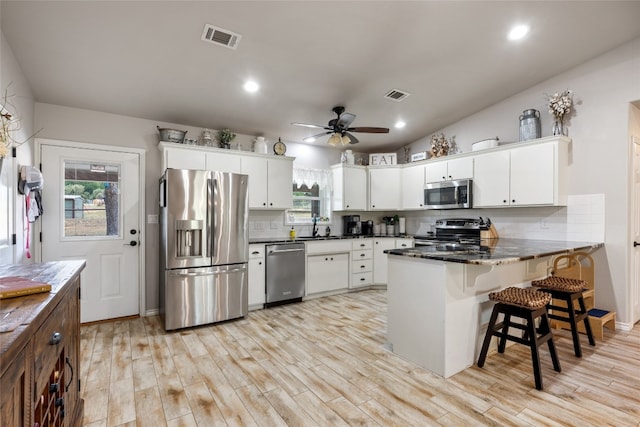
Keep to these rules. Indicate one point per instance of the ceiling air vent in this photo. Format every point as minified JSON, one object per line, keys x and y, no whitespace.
{"x":217,"y":35}
{"x":396,"y":95}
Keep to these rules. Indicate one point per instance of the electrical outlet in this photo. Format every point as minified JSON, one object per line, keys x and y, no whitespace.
{"x":544,"y":224}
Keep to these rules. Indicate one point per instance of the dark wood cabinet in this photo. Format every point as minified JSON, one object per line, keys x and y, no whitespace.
{"x":40,"y":349}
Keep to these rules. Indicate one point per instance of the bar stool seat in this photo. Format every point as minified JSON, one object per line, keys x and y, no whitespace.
{"x":528,"y":305}
{"x":567,"y":290}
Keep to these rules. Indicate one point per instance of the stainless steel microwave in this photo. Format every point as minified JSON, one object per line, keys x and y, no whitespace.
{"x":455,"y":194}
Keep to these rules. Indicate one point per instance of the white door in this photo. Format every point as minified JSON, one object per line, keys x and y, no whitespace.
{"x":91,"y":211}
{"x":635,"y":271}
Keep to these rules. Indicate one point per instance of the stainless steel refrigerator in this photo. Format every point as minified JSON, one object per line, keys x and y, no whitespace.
{"x":204,"y":247}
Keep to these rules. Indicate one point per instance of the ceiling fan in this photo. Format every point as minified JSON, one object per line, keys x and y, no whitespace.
{"x":340,"y":129}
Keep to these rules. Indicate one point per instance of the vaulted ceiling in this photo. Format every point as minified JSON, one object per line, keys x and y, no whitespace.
{"x":146,"y":59}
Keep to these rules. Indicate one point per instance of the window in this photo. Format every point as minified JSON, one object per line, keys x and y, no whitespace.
{"x":311,"y":197}
{"x":91,"y":199}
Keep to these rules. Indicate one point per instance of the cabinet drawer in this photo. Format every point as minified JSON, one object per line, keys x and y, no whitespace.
{"x":361,"y":279}
{"x":328,"y":246}
{"x":366,"y":254}
{"x":360,"y":244}
{"x":361,"y":266}
{"x":256,"y":251}
{"x":45,"y":353}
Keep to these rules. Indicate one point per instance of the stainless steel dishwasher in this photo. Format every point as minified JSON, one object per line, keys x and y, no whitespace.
{"x":285,"y":273}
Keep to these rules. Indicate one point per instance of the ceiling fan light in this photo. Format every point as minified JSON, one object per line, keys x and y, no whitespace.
{"x":346,"y":140}
{"x":335,"y":139}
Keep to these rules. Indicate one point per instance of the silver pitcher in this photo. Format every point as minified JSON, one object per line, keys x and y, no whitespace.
{"x":529,"y":125}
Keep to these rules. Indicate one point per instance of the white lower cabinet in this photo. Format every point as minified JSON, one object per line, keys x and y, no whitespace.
{"x":257,"y":290}
{"x":328,"y":272}
{"x":361,"y":263}
{"x":380,"y":258}
{"x":327,"y":265}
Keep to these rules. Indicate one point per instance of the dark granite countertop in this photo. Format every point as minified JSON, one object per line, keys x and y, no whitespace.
{"x":499,"y":251}
{"x":268,"y":240}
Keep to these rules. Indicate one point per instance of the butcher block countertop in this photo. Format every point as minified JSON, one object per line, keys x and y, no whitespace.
{"x":499,"y":251}
{"x":18,"y":315}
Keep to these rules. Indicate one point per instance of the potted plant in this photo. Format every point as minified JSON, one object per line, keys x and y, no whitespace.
{"x":225,"y":136}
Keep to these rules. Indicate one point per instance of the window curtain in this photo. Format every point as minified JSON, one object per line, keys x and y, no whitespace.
{"x":312,"y":176}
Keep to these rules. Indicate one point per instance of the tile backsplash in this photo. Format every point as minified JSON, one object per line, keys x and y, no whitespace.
{"x":581,"y":220}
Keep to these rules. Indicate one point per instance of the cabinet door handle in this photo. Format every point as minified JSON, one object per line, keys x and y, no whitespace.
{"x":636,"y":244}
{"x":68,"y":362}
{"x":362,"y":279}
{"x":363,"y":254}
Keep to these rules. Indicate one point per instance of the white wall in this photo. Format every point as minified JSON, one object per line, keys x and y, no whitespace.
{"x":72,"y":124}
{"x":603,"y":89}
{"x":11,"y":76}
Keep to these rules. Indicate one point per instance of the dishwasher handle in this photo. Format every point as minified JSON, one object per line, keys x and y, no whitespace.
{"x":282,"y":251}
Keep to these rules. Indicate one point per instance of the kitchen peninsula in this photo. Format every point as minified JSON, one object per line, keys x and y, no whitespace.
{"x":438,"y":304}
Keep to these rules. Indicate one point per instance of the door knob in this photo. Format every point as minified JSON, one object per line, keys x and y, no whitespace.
{"x":131,"y":243}
{"x":133,"y":231}
{"x":636,"y":244}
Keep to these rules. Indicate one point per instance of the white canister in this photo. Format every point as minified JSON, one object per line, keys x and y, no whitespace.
{"x":402,"y":224}
{"x":348,"y":155}
{"x":260,"y":145}
{"x":390,"y":230}
{"x":376,"y":229}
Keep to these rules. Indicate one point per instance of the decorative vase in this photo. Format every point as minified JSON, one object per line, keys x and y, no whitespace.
{"x":558,"y":128}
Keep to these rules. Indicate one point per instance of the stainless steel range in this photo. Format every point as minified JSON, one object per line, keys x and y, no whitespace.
{"x":455,"y":235}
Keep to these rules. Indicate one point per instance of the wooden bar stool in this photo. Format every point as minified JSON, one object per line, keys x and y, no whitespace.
{"x":568,"y":291}
{"x":528,"y":305}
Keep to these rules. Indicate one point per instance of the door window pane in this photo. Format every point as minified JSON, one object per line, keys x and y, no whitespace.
{"x":91,"y":199}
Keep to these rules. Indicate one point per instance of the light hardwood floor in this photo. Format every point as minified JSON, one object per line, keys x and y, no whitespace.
{"x":323,"y":362}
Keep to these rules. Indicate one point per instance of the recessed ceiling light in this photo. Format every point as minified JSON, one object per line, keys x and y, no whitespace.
{"x":518,"y":32}
{"x":400,"y":124}
{"x":251,"y":86}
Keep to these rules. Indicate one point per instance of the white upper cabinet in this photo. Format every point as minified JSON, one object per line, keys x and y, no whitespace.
{"x":270,"y":181}
{"x":491,"y":181}
{"x":446,"y":170}
{"x":176,"y":156}
{"x":349,"y":187}
{"x":413,"y":179}
{"x":385,"y":189}
{"x":524,"y":175}
{"x":270,"y":177}
{"x":223,"y":162}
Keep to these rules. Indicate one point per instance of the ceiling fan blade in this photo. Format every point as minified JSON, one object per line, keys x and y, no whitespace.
{"x":345,"y":120}
{"x":369,"y":129}
{"x":310,"y":126}
{"x":316,"y":136}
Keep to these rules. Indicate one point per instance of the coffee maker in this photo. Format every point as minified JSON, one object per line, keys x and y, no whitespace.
{"x":367,"y":228}
{"x":351,"y":225}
